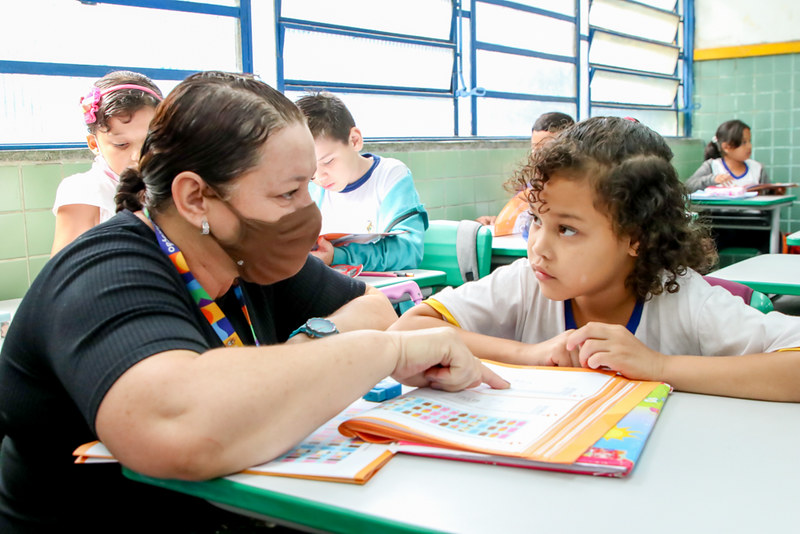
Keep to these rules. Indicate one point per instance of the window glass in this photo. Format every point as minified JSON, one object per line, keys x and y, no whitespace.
{"x":360,"y":61}
{"x":44,"y":109}
{"x":633,"y":19}
{"x":631,"y":89}
{"x":663,"y":122}
{"x":616,"y":51}
{"x":527,"y":75}
{"x":500,"y":117}
{"x":519,"y":29}
{"x":380,"y":15}
{"x":397,"y":116}
{"x":165,"y":39}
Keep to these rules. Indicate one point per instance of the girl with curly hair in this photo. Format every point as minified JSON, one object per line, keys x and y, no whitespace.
{"x":613,"y":278}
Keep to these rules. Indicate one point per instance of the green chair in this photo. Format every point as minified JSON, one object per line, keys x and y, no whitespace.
{"x":761,"y":302}
{"x":462,"y":249}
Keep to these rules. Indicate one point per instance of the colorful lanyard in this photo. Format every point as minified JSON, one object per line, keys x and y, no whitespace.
{"x":210,"y":309}
{"x":633,"y":322}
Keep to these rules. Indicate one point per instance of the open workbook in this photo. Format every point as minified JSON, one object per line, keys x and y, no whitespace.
{"x":323,"y":455}
{"x":615,"y":454}
{"x":549,"y":414}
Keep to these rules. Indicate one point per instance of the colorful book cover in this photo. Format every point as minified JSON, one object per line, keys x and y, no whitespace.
{"x":549,"y":414}
{"x":615,"y":454}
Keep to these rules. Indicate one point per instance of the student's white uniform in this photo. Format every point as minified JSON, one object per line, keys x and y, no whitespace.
{"x":95,"y":187}
{"x":705,"y":175}
{"x":699,"y":319}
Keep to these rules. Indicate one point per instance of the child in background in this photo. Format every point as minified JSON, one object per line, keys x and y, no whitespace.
{"x":611,"y":280}
{"x":360,"y":194}
{"x":727,"y":160}
{"x":546,"y":126}
{"x":117,"y":112}
{"x":727,"y":163}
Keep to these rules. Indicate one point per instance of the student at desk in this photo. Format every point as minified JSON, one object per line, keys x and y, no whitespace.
{"x":180,"y":335}
{"x":361,"y":193}
{"x":611,"y":279}
{"x":545,"y":126}
{"x":727,"y":163}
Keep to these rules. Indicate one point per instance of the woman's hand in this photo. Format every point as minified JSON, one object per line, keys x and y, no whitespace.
{"x":613,"y":347}
{"x":324,"y":250}
{"x":439,"y":359}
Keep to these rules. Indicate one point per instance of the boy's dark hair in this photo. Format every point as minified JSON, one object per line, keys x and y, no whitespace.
{"x":214,"y":124}
{"x":327,"y":116}
{"x":554,"y":121}
{"x":635,"y":183}
{"x":124,"y":102}
{"x":731,"y":132}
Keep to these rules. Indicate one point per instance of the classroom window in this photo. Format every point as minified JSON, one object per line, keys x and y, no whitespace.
{"x":637,"y":61}
{"x":43,"y":74}
{"x":407,"y":69}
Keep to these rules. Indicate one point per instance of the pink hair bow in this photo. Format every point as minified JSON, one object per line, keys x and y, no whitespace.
{"x":90,"y":104}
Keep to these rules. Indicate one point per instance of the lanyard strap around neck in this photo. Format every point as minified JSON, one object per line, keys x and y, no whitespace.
{"x":210,"y":309}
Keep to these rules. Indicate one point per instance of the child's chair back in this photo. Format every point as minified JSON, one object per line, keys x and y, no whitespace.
{"x":755,"y":299}
{"x":462,"y":249}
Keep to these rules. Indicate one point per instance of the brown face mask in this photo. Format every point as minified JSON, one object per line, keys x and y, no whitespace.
{"x":268,"y":252}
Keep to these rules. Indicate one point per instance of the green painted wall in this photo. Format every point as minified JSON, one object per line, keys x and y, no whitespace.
{"x":764,"y":92}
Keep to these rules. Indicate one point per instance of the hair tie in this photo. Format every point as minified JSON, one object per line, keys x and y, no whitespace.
{"x":90,"y":103}
{"x":714,"y":140}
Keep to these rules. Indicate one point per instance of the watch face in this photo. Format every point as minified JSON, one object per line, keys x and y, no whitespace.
{"x":320,"y":326}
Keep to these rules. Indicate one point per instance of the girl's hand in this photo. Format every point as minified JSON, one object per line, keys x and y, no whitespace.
{"x":438,"y":358}
{"x":613,"y":347}
{"x":324,"y":250}
{"x":724,"y":179}
{"x":556,"y":353}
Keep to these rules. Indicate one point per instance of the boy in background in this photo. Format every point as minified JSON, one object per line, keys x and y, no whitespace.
{"x":361,"y":193}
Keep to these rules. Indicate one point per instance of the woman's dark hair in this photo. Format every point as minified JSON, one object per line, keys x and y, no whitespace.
{"x":213,"y":124}
{"x":123,"y":102}
{"x":629,"y":166}
{"x":327,"y":116}
{"x":554,"y":121}
{"x":731,"y":132}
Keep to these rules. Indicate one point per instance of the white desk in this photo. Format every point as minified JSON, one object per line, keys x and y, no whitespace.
{"x":712,"y":464}
{"x":768,"y":273}
{"x":508,"y":248}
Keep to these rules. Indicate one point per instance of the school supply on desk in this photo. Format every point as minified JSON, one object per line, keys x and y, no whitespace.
{"x":613,"y":455}
{"x":549,"y":414}
{"x":348,"y":270}
{"x":389,"y":274}
{"x":340,"y":239}
{"x":324,"y":455}
{"x":737,"y":191}
{"x":386,"y":389}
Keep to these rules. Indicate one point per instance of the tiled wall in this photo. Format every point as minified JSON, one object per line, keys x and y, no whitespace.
{"x":456,"y":180}
{"x":764,"y":92}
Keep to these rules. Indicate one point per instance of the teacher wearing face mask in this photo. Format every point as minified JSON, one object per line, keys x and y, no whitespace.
{"x":178,"y":332}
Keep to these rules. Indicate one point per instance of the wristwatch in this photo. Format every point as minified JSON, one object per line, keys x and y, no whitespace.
{"x":316,"y":327}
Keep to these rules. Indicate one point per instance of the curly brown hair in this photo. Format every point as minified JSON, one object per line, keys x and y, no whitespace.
{"x":629,"y":166}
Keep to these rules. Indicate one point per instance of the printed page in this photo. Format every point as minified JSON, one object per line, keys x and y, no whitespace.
{"x":327,"y":454}
{"x":545,"y":408}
